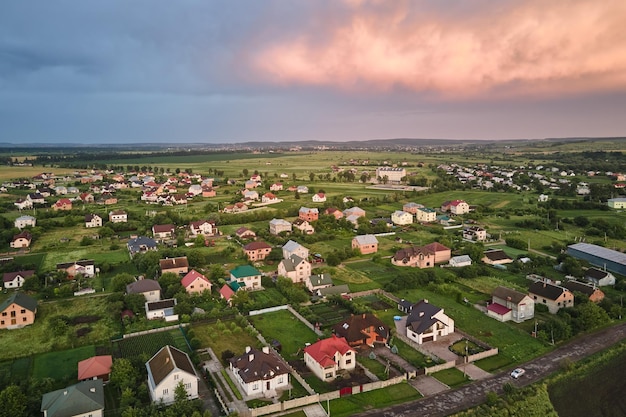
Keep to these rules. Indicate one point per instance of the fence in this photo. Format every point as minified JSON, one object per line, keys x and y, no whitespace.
{"x":160,"y":329}
{"x":268,"y":310}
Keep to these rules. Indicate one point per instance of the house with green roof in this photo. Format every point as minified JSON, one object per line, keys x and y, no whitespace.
{"x":17,"y":311}
{"x":83,"y":399}
{"x":247,"y":277}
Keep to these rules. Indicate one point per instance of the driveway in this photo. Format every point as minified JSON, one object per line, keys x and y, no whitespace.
{"x":440,"y":346}
{"x":428,"y":385}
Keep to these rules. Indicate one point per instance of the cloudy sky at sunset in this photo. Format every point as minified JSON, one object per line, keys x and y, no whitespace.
{"x":112,"y":71}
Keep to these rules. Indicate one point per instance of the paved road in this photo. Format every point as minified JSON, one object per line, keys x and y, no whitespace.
{"x":473,"y":394}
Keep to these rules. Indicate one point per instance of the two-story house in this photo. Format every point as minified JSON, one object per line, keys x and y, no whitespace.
{"x":93,"y":220}
{"x":168,"y":368}
{"x":257,"y":250}
{"x":295,"y":268}
{"x":259,"y":373}
{"x":17,"y":311}
{"x":553,"y":296}
{"x":365,"y":244}
{"x":508,"y":304}
{"x":327,"y":357}
{"x":427,"y":322}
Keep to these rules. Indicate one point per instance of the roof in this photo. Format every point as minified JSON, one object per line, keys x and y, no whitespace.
{"x":191,"y":277}
{"x":352,"y":327}
{"x":169,"y":263}
{"x":546,"y":290}
{"x":422,"y":316}
{"x":226,"y":292}
{"x":23,"y":235}
{"x":167,"y":360}
{"x":10,"y":276}
{"x":291,"y":246}
{"x":163,"y":228}
{"x":335,"y":289}
{"x":366,"y":240}
{"x":320,"y":279}
{"x":257,"y":245}
{"x":596,"y":273}
{"x":255,"y":365}
{"x":244,"y":271}
{"x":498,"y":309}
{"x":143,"y":285}
{"x":436,"y":247}
{"x":21,"y":299}
{"x":599,"y":251}
{"x":161,"y":304}
{"x":509,"y":294}
{"x":280,"y":222}
{"x":94,"y":367}
{"x":323,"y":351}
{"x":496,"y":255}
{"x":79,"y":399}
{"x":136,"y":243}
{"x":413,"y":251}
{"x":291,"y":263}
{"x":581,"y":287}
{"x":460,"y":259}
{"x":426,"y":210}
{"x":308,"y":210}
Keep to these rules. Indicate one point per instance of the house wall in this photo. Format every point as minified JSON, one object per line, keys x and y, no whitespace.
{"x":565,"y":300}
{"x":460,"y":208}
{"x":252,"y":282}
{"x":16,"y":316}
{"x":424,"y":216}
{"x":198,"y":286}
{"x":17,"y":282}
{"x":165,"y":390}
{"x":365,"y":249}
{"x":152,"y":295}
{"x":504,"y":317}
{"x":20,"y":243}
{"x":97,"y":413}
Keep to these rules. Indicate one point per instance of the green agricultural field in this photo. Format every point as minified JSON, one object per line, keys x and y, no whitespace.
{"x":147,"y":345}
{"x":61,"y":365}
{"x":273,"y":325}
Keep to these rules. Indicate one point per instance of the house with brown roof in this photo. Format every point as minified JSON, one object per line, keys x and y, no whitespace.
{"x":363,"y":329}
{"x":496,"y":257}
{"x":86,"y":198}
{"x":335,"y":212}
{"x":412,"y":207}
{"x":178,"y":265}
{"x":327,"y":357}
{"x":508,"y":304}
{"x":95,"y":367}
{"x":163,"y":231}
{"x":64,"y":204}
{"x":427,"y":322}
{"x":304,"y":226}
{"x":85,"y":267}
{"x":594,"y":293}
{"x":269,"y":198}
{"x":16,"y":279}
{"x":260,"y":373}
{"x":319,"y":198}
{"x":203,"y":227}
{"x":257,"y":250}
{"x":118,"y":216}
{"x":93,"y":220}
{"x":21,"y":240}
{"x":168,"y":368}
{"x":17,"y":311}
{"x":208,"y":191}
{"x":235,"y":208}
{"x":149,"y":288}
{"x":422,"y":256}
{"x":553,"y":296}
{"x":195,"y":283}
{"x":245,"y":233}
{"x":308,"y":214}
{"x":365,"y":244}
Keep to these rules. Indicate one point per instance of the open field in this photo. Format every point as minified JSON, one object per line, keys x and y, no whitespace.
{"x":61,"y":365}
{"x":273,"y":325}
{"x":223,"y":336}
{"x":354,"y":404}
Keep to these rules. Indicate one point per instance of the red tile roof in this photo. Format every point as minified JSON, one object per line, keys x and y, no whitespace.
{"x":94,"y":366}
{"x":324,"y":351}
{"x":191,"y":277}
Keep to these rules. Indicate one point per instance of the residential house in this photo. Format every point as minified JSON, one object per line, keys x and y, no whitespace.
{"x":335,"y":212}
{"x":260,"y":373}
{"x":208,"y":191}
{"x":149,"y":288}
{"x":168,"y":368}
{"x":278,"y":226}
{"x":308,"y":214}
{"x":178,"y":265}
{"x":141,"y":244}
{"x":354,"y":211}
{"x":64,"y":204}
{"x":427,"y":322}
{"x":317,"y":282}
{"x":302,"y":189}
{"x":25,"y":221}
{"x":327,"y":357}
{"x":475,"y":233}
{"x":390,"y":175}
{"x":85,"y":399}
{"x":203,"y":227}
{"x":257,"y":250}
{"x":411,"y":207}
{"x":250,"y":195}
{"x":249,"y":184}
{"x":365,"y":244}
{"x":16,"y":279}
{"x":195,"y":283}
{"x":21,"y":240}
{"x":23,"y":204}
{"x":319,"y":198}
{"x":455,"y":207}
{"x":247,"y":276}
{"x":17,"y":311}
{"x":118,"y":216}
{"x":599,"y":277}
{"x":294,"y":248}
{"x":163,"y":231}
{"x":244,"y":233}
{"x":195,"y":189}
{"x":496,"y":257}
{"x":508,"y":304}
{"x":422,"y":256}
{"x":276,"y":187}
{"x":93,"y":220}
{"x":405,"y":305}
{"x":235,"y":208}
{"x":617,"y":203}
{"x":363,"y":329}
{"x":341,"y":290}
{"x":425,"y":215}
{"x":295,"y":268}
{"x":226,"y":293}
{"x":303,"y":226}
{"x":460,"y":261}
{"x":86,"y":198}
{"x":36,"y":198}
{"x":85,"y":267}
{"x":592,"y":292}
{"x":553,"y":296}
{"x":401,"y":218}
{"x":162,"y":309}
{"x":269,"y":198}
{"x":95,"y":367}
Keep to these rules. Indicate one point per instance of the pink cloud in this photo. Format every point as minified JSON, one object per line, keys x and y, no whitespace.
{"x":533,"y":48}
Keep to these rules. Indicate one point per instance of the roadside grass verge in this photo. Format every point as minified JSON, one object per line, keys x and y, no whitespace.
{"x":452,"y":377}
{"x":384,"y":397}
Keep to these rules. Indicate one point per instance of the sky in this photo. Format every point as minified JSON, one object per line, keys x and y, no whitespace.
{"x":231,"y":71}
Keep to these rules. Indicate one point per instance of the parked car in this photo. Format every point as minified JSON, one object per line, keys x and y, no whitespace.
{"x":517,"y":373}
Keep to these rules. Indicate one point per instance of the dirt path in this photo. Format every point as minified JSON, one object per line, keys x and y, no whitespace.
{"x":448,"y":402}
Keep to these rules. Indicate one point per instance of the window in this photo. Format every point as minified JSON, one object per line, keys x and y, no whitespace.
{"x":2,"y":322}
{"x":4,"y":314}
{"x":329,"y":375}
{"x":165,"y":391}
{"x":349,"y":361}
{"x":255,"y":386}
{"x":23,"y":311}
{"x":188,"y":385}
{"x":23,"y":318}
{"x":280,"y":380}
{"x":176,"y":377}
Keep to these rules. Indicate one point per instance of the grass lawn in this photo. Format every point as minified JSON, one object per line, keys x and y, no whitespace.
{"x":274,"y":325}
{"x":374,"y":367}
{"x":61,"y":365}
{"x":221,"y":337}
{"x":411,"y":355}
{"x":451,"y":377}
{"x":384,"y":397}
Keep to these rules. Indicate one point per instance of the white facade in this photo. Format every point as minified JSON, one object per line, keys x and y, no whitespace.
{"x":168,"y":368}
{"x":399,"y":217}
{"x":23,"y":221}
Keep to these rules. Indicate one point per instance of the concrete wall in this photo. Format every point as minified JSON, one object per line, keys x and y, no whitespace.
{"x":483,"y":355}
{"x":441,"y":367}
{"x":268,"y":310}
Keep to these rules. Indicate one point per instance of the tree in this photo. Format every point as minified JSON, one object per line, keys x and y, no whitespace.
{"x":124,"y":374}
{"x":13,"y":402}
{"x":311,"y":176}
{"x":135,"y":302}
{"x":120,"y":281}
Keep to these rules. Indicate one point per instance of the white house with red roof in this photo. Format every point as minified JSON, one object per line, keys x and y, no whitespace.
{"x":95,"y":367}
{"x":327,"y":357}
{"x":319,"y":198}
{"x":269,"y":198}
{"x":455,"y":207}
{"x":277,"y":186}
{"x":195,"y":283}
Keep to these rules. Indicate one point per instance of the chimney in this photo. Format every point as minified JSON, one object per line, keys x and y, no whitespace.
{"x":266,"y":349}
{"x":247,"y":349}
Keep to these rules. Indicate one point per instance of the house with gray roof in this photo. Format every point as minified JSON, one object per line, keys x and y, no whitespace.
{"x":149,"y":288}
{"x":83,"y":399}
{"x":318,"y":281}
{"x":294,"y":248}
{"x":599,"y":277}
{"x":426,"y":322}
{"x":509,"y":304}
{"x":141,"y":244}
{"x":295,"y":268}
{"x":259,"y":373}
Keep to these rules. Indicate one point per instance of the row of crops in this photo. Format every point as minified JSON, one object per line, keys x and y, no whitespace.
{"x":149,"y":344}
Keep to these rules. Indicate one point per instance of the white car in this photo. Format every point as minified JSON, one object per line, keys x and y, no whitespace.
{"x":517,"y":373}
